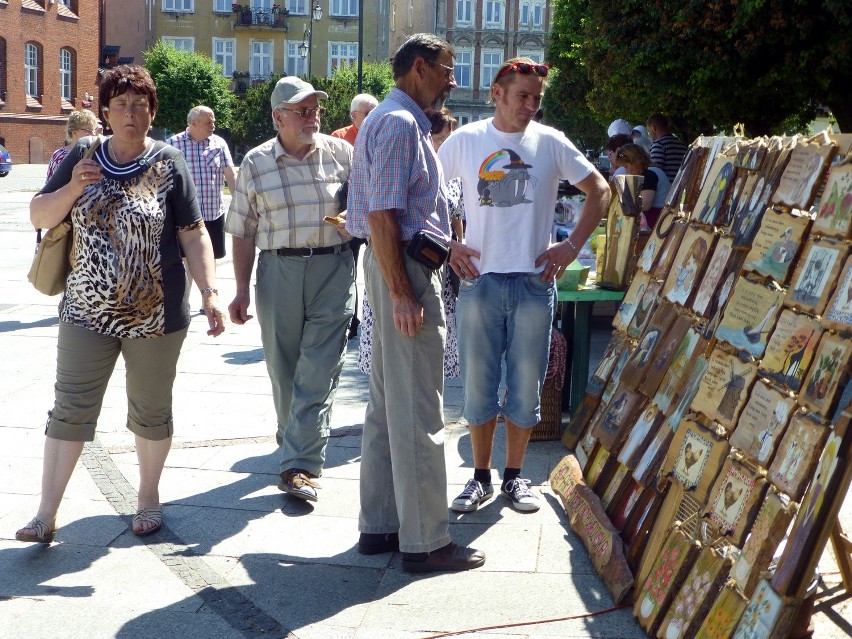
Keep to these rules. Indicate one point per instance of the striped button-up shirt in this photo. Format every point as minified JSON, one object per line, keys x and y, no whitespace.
{"x":280,"y":200}
{"x":207,"y":160}
{"x":395,"y":167}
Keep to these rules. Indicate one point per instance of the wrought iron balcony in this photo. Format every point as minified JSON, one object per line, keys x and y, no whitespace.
{"x":271,"y":18}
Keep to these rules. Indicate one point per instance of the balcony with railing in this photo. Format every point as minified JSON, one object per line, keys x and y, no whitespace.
{"x":248,"y":17}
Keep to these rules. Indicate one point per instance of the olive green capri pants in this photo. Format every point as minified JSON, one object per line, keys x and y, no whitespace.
{"x":84,"y":363}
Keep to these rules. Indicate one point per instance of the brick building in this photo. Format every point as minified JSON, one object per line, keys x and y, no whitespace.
{"x":49,"y":54}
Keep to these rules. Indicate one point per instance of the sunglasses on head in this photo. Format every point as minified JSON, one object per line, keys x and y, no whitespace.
{"x":541,"y":70}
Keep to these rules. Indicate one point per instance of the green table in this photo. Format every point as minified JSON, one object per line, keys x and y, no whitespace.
{"x":576,"y":320}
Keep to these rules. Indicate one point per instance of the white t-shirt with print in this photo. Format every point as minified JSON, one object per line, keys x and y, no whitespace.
{"x":510,"y":183}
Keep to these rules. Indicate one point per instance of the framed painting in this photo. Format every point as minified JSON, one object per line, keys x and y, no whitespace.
{"x":615,"y":420}
{"x":761,"y":613}
{"x":724,"y":388}
{"x":717,"y":185}
{"x":665,"y":355}
{"x":772,"y":521}
{"x":803,"y":175}
{"x":790,"y":349}
{"x":838,"y":312}
{"x":828,"y":372}
{"x":604,"y":370}
{"x":834,"y":215}
{"x":695,"y":457}
{"x":694,"y":598}
{"x":776,"y":245}
{"x":734,"y":500}
{"x":687,"y":392}
{"x":797,"y":456}
{"x":749,"y":316}
{"x":750,"y":155}
{"x":762,"y":423}
{"x":709,"y":282}
{"x":648,"y":466}
{"x":688,"y":265}
{"x":649,"y":348}
{"x":816,"y":275}
{"x":642,"y":432}
{"x":716,"y":307}
{"x":740,"y":198}
{"x":630,"y":302}
{"x":689,"y":348}
{"x":644,"y":309}
{"x":724,"y":615}
{"x":669,"y":250}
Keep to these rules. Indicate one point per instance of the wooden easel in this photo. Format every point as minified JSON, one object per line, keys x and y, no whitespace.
{"x":842,"y":545}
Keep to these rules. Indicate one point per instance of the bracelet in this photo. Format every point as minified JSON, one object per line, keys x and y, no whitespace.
{"x":207,"y":290}
{"x":571,"y":244}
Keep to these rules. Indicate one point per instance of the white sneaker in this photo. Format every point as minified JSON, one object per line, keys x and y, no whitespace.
{"x":518,"y":492}
{"x":474,"y":493}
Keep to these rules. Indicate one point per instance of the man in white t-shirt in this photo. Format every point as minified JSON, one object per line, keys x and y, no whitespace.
{"x":510,"y":167}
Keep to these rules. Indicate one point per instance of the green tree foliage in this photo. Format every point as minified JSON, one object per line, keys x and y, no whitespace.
{"x":185,"y":79}
{"x":708,"y":64}
{"x":252,"y":123}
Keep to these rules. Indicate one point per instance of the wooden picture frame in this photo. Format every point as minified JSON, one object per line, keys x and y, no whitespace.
{"x":803,"y":174}
{"x":690,"y":347}
{"x":828,"y":372}
{"x":695,"y":457}
{"x":631,"y":300}
{"x":648,"y":349}
{"x":762,"y":423}
{"x":724,"y":388}
{"x":688,"y":265}
{"x":665,"y":355}
{"x":616,"y":419}
{"x":734,"y":500}
{"x":669,"y":250}
{"x":816,"y":275}
{"x":791,"y":349}
{"x":749,"y":316}
{"x":834,"y":216}
{"x":797,"y":456}
{"x":838,"y":311}
{"x":716,"y":267}
{"x":717,"y":185}
{"x":776,"y":245}
{"x":643,"y":431}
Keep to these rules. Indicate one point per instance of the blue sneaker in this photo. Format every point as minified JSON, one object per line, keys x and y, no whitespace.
{"x":474,"y":493}
{"x":518,"y":492}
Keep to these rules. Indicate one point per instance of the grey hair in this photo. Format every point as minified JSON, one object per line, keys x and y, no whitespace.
{"x":196,"y":111}
{"x":77,"y":120}
{"x":364,"y":99}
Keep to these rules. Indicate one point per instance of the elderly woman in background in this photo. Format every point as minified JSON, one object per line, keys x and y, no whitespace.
{"x":133,"y":209}
{"x":655,"y":186}
{"x":80,"y":124}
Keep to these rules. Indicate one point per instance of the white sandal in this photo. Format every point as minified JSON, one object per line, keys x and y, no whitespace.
{"x":148,"y":516}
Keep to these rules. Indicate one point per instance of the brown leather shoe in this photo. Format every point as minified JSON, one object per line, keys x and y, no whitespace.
{"x":451,"y":557}
{"x":299,"y":483}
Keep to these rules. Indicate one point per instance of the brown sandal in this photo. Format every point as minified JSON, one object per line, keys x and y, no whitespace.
{"x":148,"y":516}
{"x":42,"y":532}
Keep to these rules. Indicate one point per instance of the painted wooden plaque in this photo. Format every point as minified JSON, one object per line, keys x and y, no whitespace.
{"x":621,"y":233}
{"x":838,"y":312}
{"x":652,"y":457}
{"x":761,"y":614}
{"x":716,"y":269}
{"x":694,"y":598}
{"x":816,"y":275}
{"x":829,"y":370}
{"x":724,"y":615}
{"x":776,"y":245}
{"x":644,"y":309}
{"x":802,"y":175}
{"x":695,"y":457}
{"x":579,"y":421}
{"x":834,"y":216}
{"x":687,"y":351}
{"x":791,"y":349}
{"x":669,"y":250}
{"x":724,"y":388}
{"x":751,"y":154}
{"x":621,"y":474}
{"x":615,"y":420}
{"x":797,"y":455}
{"x":762,"y":423}
{"x":686,"y":393}
{"x":741,"y":197}
{"x":604,"y":370}
{"x":665,"y":355}
{"x":597,"y":460}
{"x":688,"y":265}
{"x":623,"y":505}
{"x":640,"y":435}
{"x":735,"y":499}
{"x":686,"y":185}
{"x":653,"y":247}
{"x":770,"y":525}
{"x":630,"y":302}
{"x":714,"y":193}
{"x":716,"y":308}
{"x":749,"y":316}
{"x":649,"y":347}
{"x":615,"y":378}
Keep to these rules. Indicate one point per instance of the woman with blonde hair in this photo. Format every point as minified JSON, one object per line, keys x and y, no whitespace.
{"x":80,"y":124}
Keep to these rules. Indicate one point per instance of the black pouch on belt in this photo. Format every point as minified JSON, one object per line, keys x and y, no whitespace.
{"x":428,"y":250}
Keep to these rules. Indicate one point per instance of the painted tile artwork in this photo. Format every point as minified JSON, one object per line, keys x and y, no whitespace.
{"x":776,"y":245}
{"x":724,"y":388}
{"x":797,"y":456}
{"x":816,"y":275}
{"x":688,"y":265}
{"x":834,"y":216}
{"x":829,"y":369}
{"x":749,"y":316}
{"x":791,"y":349}
{"x":762,"y":423}
{"x":713,"y":276}
{"x":802,"y":174}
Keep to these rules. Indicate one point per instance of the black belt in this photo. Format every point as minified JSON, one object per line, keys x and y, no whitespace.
{"x":310,"y":252}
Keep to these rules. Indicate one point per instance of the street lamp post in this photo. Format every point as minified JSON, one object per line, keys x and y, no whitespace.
{"x":307,"y":46}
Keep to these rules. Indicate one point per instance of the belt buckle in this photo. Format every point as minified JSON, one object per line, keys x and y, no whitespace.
{"x":310,"y":252}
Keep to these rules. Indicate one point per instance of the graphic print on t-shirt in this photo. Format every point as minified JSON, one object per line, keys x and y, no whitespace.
{"x":503,"y":180}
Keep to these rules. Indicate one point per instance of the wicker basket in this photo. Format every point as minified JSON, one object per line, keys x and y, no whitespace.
{"x":550,"y":426}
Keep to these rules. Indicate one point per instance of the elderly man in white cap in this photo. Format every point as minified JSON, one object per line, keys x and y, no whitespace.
{"x":305,"y":275}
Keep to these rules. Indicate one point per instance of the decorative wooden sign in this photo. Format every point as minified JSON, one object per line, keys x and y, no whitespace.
{"x":802,"y":175}
{"x":816,"y":275}
{"x":665,"y":354}
{"x":664,"y":260}
{"x":644,"y":309}
{"x":604,"y":370}
{"x":776,"y":245}
{"x":642,"y":432}
{"x":709,"y":282}
{"x":724,"y":388}
{"x":735,"y":500}
{"x":762,"y":423}
{"x":695,"y":457}
{"x":615,"y":420}
{"x":689,"y":348}
{"x":829,"y":370}
{"x":652,"y":457}
{"x":797,"y":456}
{"x":686,"y":393}
{"x":838,"y":313}
{"x":834,"y":216}
{"x":649,"y":349}
{"x":749,"y":316}
{"x":688,"y":265}
{"x":761,"y":613}
{"x":713,"y":195}
{"x":791,"y":349}
{"x":724,"y":615}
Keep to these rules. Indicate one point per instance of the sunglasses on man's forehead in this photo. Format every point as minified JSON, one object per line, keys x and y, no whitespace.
{"x":541,"y":70}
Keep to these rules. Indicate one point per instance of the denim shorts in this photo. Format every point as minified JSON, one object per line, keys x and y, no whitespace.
{"x":511,"y":314}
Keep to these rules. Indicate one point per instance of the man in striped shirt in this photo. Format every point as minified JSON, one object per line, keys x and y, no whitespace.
{"x":667,"y":151}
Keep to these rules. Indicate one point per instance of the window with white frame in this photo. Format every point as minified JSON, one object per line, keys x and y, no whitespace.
{"x":223,"y":53}
{"x":31,"y":60}
{"x":464,"y":68}
{"x":536,"y":55}
{"x":181,"y":44}
{"x":538,"y":15}
{"x":531,"y":14}
{"x":492,"y":13}
{"x":66,"y":74}
{"x":187,"y":6}
{"x":260,"y":65}
{"x":261,"y":5}
{"x":295,"y":63}
{"x":462,"y":118}
{"x":341,"y":54}
{"x":464,"y":11}
{"x":297,"y":7}
{"x":489,"y":64}
{"x":222,"y":6}
{"x":348,"y":8}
